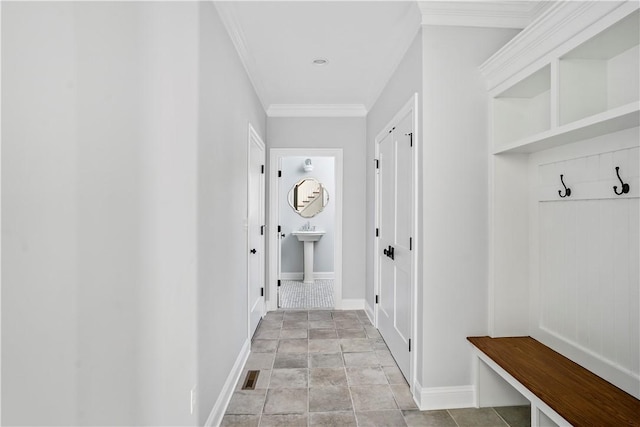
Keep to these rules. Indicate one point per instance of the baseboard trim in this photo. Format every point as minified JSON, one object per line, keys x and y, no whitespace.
{"x":369,"y":310}
{"x":352,"y":304}
{"x":431,"y":398}
{"x":215,"y":417}
{"x":322,"y":275}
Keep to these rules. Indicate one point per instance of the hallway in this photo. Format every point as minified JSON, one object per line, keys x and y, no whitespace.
{"x":333,"y":368}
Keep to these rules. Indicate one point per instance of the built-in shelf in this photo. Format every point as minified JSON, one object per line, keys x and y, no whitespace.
{"x":610,"y":121}
{"x":591,"y":89}
{"x":602,"y":73}
{"x":523,"y":110}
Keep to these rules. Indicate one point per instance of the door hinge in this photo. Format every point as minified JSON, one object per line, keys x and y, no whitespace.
{"x":279,"y":174}
{"x":410,"y":243}
{"x":410,"y":135}
{"x":279,"y":282}
{"x":376,"y":299}
{"x":377,"y":232}
{"x":409,"y":345}
{"x":279,"y":228}
{"x":377,"y":163}
{"x":262,"y":230}
{"x":261,"y":168}
{"x":261,"y":292}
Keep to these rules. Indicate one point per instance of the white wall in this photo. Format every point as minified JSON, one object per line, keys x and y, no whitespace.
{"x":291,"y":249}
{"x":39,"y":215}
{"x":99,"y":180}
{"x":227,"y":104}
{"x":348,"y":134}
{"x":455,"y":199}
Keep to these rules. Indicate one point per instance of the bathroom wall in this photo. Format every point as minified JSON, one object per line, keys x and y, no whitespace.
{"x":347,"y":133}
{"x":292,"y":252}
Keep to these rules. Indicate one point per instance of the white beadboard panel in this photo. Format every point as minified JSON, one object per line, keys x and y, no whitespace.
{"x":588,"y":278}
{"x":634,"y":280}
{"x":591,"y":177}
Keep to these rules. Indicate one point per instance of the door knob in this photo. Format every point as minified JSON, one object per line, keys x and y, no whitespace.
{"x":253,"y":251}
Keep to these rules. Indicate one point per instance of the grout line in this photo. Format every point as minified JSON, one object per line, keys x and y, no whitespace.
{"x":500,"y":416}
{"x":452,"y":417}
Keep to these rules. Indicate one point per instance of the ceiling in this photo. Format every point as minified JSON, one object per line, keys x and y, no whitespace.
{"x":363,"y":42}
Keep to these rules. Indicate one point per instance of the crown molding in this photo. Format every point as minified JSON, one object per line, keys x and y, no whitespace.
{"x":549,"y":32}
{"x":495,"y":14}
{"x":316,"y":110}
{"x":231,"y":24}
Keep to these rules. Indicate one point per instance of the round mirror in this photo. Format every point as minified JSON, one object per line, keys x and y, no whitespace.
{"x":308,"y":197}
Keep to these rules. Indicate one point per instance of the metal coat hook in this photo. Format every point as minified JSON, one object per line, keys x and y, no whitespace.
{"x":625,"y":186}
{"x":567,"y":191}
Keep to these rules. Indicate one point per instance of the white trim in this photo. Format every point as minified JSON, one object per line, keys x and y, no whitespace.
{"x":547,"y":33}
{"x":275,"y":155}
{"x":370,"y":312}
{"x":444,"y":397}
{"x":229,"y":19}
{"x":217,"y":412}
{"x":496,"y":14}
{"x":321,"y":275}
{"x":412,"y":104}
{"x":537,"y":404}
{"x":352,"y":304}
{"x":254,"y":137}
{"x":316,"y":110}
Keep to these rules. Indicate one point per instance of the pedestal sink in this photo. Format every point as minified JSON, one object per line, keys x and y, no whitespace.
{"x":308,"y":237}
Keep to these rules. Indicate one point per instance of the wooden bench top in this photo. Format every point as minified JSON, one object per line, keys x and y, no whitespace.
{"x":578,"y":395}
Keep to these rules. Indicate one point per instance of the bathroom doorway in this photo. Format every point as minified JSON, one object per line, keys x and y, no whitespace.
{"x":305,"y":223}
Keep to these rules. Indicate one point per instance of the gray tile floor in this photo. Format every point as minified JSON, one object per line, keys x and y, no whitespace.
{"x":332,"y":368}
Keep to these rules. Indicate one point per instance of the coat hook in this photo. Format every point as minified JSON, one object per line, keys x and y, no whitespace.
{"x":625,"y":187}
{"x":567,"y":191}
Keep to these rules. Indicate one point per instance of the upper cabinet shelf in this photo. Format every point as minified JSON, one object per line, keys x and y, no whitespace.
{"x":589,"y":90}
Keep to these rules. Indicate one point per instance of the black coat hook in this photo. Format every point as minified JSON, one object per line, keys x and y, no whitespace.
{"x":567,"y":191}
{"x":625,"y":187}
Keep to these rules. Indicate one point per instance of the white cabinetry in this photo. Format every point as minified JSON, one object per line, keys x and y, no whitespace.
{"x":565,"y":100}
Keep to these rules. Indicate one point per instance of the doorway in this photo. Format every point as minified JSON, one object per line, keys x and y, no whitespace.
{"x":255,"y":229}
{"x":305,"y":229}
{"x":396,"y":225}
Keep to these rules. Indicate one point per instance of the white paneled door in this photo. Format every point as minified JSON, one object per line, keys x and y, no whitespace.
{"x":395,"y":237}
{"x":256,"y":230}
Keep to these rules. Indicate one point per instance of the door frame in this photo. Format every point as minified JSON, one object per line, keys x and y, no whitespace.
{"x":412,"y":104}
{"x":275,"y":156}
{"x":254,"y":138}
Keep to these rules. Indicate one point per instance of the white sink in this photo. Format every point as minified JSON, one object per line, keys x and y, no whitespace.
{"x":308,"y":237}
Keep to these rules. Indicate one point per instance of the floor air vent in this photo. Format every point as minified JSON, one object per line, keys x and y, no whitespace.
{"x":250,"y":380}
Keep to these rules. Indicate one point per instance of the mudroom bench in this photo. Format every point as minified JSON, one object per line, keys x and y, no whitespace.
{"x":560,"y":391}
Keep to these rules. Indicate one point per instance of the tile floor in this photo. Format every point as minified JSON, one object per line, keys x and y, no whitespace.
{"x":295,"y":294}
{"x":332,"y":368}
